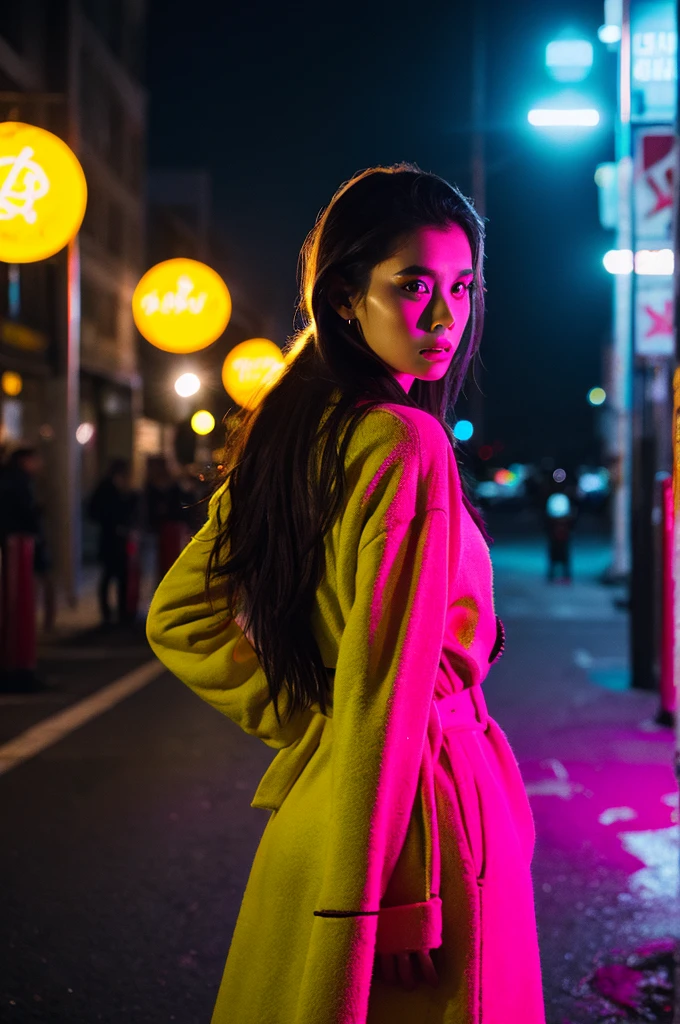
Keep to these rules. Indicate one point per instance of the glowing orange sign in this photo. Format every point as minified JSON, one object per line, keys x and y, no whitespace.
{"x":181,"y":306}
{"x":43,"y":193}
{"x":251,"y":368}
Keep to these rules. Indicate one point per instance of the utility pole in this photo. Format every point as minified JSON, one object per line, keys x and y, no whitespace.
{"x":478,"y":169}
{"x":623,"y":314}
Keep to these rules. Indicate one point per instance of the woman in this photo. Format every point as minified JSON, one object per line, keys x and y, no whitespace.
{"x":348,"y":622}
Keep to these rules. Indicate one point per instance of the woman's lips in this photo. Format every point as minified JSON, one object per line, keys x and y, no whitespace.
{"x":432,"y":353}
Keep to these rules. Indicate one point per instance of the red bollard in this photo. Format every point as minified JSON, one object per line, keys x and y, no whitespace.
{"x":667,"y":687}
{"x":18,"y":640}
{"x":132,"y":576}
{"x":173,"y":537}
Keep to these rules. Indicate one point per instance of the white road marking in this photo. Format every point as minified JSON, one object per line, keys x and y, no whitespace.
{"x":559,"y":785}
{"x":53,"y":729}
{"x":613,"y":814}
{"x":658,"y":851}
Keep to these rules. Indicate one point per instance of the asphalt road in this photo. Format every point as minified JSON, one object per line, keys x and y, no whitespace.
{"x":126,"y":849}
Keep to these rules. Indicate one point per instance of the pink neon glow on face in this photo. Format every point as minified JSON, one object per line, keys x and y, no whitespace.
{"x":417,"y":299}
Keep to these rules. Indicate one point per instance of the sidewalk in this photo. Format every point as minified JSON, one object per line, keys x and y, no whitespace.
{"x":78,"y":657}
{"x":599,"y":775}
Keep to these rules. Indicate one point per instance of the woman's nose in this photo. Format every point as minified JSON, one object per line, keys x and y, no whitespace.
{"x":442,"y":317}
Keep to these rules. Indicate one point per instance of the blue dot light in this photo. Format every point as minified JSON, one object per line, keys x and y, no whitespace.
{"x":463,"y":430}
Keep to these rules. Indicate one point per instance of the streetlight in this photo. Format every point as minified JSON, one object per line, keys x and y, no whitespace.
{"x":575,"y":117}
{"x":187,"y":384}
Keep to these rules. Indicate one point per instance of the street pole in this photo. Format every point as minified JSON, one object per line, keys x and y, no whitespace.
{"x":478,"y":168}
{"x":623,"y":316}
{"x":479,"y":108}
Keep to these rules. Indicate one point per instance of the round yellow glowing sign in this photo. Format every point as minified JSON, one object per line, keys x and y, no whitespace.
{"x":43,"y":193}
{"x":11,"y":383}
{"x":203,"y":422}
{"x":181,"y":306}
{"x":251,"y":368}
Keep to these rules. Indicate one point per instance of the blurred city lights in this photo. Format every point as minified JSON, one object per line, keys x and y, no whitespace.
{"x":11,"y":383}
{"x":203,"y":422}
{"x":42,"y":181}
{"x":597,"y":396}
{"x":558,"y":506}
{"x":618,"y":261}
{"x":605,"y":175}
{"x":181,"y":306}
{"x":609,"y":33}
{"x":187,"y":384}
{"x":593,"y":482}
{"x":655,"y":262}
{"x":84,"y":433}
{"x":463,"y":430}
{"x":505,"y":477}
{"x":569,"y":60}
{"x":250,"y":368}
{"x":544,"y":117}
{"x":559,"y":476}
{"x":485,"y":452}
{"x":606,"y":179}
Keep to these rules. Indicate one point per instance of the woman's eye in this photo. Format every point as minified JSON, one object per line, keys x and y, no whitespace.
{"x":462,"y":287}
{"x":416,"y":287}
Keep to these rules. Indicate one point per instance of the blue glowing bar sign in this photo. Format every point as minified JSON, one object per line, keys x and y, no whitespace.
{"x":654,"y":70}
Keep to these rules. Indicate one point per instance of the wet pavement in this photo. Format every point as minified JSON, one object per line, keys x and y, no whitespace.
{"x":127,"y":844}
{"x":597,"y":768}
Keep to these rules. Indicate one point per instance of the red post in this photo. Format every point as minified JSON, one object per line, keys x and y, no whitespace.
{"x":173,"y":537}
{"x":668,"y":700}
{"x":18,"y":640}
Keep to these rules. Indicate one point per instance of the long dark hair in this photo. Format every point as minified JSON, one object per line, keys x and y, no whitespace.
{"x":285,"y":470}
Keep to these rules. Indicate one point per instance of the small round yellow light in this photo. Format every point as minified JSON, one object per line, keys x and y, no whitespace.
{"x":12,"y":383}
{"x":181,"y":306}
{"x":250,"y":369}
{"x":43,"y":193}
{"x":597,"y":396}
{"x":203,"y":422}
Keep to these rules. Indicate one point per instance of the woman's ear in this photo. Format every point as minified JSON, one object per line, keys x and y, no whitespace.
{"x":340,"y":298}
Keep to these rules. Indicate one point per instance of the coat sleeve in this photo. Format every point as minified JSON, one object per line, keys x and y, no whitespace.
{"x":198,"y":640}
{"x":387,"y":665}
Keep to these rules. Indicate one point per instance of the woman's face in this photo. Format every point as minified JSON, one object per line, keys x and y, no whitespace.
{"x":418,"y":304}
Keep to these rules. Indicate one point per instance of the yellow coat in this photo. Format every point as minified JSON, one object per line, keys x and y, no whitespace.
{"x":362,"y":812}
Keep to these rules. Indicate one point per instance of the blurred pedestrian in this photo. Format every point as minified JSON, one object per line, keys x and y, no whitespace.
{"x":114,"y":506}
{"x":22,"y":513}
{"x":559,"y":519}
{"x":339,"y":605}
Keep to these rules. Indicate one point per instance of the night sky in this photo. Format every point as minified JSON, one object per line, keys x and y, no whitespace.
{"x":282,"y":103}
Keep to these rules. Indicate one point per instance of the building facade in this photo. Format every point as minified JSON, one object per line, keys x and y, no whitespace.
{"x":74,"y":67}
